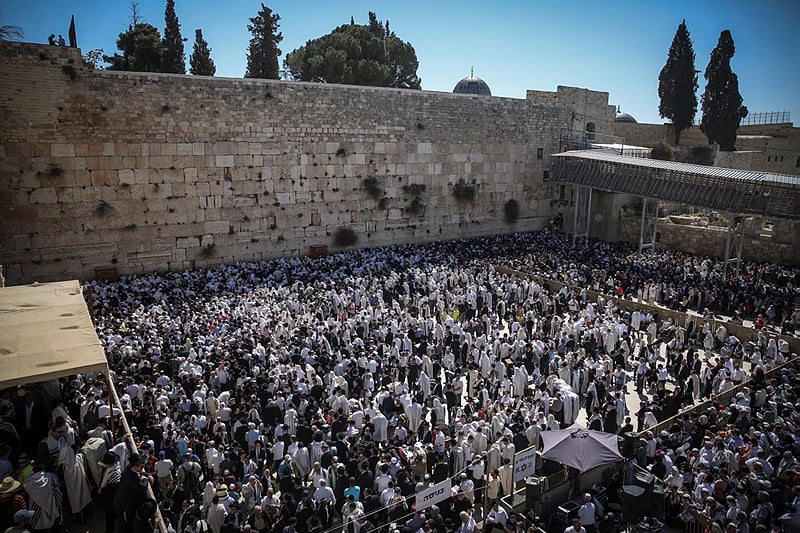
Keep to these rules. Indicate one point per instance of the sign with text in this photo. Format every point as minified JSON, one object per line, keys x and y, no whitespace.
{"x":435,"y":494}
{"x":524,"y":464}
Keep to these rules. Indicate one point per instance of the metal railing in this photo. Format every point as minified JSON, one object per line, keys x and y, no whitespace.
{"x":766,"y":117}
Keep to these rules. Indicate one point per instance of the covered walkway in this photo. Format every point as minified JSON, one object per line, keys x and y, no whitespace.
{"x":740,"y":193}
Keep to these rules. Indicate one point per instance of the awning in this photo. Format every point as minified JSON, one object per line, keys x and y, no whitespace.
{"x":46,"y":333}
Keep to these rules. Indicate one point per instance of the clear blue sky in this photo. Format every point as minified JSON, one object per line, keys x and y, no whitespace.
{"x":514,"y":45}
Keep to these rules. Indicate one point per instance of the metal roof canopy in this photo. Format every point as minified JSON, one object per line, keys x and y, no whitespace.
{"x":740,"y":192}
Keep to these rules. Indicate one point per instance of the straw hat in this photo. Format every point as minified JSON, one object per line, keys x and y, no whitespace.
{"x":9,"y":484}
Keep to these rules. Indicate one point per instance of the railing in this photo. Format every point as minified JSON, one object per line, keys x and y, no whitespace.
{"x":766,"y":117}
{"x":556,"y":485}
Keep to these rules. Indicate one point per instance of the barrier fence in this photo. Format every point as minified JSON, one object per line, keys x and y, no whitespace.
{"x":559,"y":488}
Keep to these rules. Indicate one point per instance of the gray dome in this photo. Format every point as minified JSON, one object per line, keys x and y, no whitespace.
{"x":472,"y":85}
{"x":624,"y":117}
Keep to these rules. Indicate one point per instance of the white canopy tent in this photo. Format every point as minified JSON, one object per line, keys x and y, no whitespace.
{"x":46,"y":333}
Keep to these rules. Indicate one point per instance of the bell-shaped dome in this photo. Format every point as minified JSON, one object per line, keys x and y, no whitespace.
{"x":472,"y":85}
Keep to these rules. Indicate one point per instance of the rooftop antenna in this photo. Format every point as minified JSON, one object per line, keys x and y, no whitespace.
{"x":471,"y":71}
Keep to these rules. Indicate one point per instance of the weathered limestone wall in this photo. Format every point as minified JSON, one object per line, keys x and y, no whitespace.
{"x":589,"y":110}
{"x":777,"y":246}
{"x":143,"y":172}
{"x":647,"y":134}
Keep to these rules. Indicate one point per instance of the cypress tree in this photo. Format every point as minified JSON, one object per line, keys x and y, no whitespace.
{"x":200,"y":62}
{"x":722,"y":103}
{"x":677,"y":83}
{"x":262,"y":57}
{"x":174,"y":58}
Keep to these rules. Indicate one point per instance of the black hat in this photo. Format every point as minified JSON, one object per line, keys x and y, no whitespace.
{"x":147,"y":509}
{"x":136,"y":460}
{"x":109,"y":458}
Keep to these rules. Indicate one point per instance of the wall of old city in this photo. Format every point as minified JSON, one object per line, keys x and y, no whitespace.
{"x":775,"y":242}
{"x":151,"y":172}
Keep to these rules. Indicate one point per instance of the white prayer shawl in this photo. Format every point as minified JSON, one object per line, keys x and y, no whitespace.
{"x":414,"y":415}
{"x":520,"y":381}
{"x":381,"y":427}
{"x":493,"y":458}
{"x":425,"y":385}
{"x":459,"y":462}
{"x":77,"y":486}
{"x":438,"y":408}
{"x":571,"y":407}
{"x":506,"y":478}
{"x":302,"y":461}
{"x":485,"y":364}
{"x":45,"y":498}
{"x":94,"y":449}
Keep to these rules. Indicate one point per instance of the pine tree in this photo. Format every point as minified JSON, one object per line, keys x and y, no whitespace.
{"x":722,"y":103}
{"x":677,"y":83}
{"x":200,"y":62}
{"x":262,"y":57}
{"x":174,"y":58}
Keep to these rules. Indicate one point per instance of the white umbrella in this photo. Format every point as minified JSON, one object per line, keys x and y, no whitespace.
{"x":580,"y":448}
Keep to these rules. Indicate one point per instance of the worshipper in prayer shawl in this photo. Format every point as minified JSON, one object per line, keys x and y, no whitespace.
{"x":75,"y":480}
{"x":44,"y":493}
{"x":109,"y":483}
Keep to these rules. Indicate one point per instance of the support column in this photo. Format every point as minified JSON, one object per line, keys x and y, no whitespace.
{"x":734,"y":242}
{"x":649,"y":225}
{"x":582,"y":214}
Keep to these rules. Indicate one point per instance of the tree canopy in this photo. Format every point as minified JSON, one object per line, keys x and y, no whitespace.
{"x":174,"y":58}
{"x":262,"y":55}
{"x":722,"y":103}
{"x":356,"y":54}
{"x":200,"y":62}
{"x":677,"y":83}
{"x":141,"y":47}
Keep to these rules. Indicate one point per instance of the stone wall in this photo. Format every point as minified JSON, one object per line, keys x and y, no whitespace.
{"x":152,"y":172}
{"x":778,"y":245}
{"x":647,"y":134}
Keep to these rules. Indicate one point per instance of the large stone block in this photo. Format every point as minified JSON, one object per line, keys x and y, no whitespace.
{"x":62,"y":150}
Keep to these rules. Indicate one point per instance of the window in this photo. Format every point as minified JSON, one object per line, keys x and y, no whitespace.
{"x":546,"y":175}
{"x":798,"y":162}
{"x":590,"y":131}
{"x":539,"y":153}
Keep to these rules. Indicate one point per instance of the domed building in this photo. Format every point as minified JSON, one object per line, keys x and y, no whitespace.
{"x":472,"y":85}
{"x":624,"y":117}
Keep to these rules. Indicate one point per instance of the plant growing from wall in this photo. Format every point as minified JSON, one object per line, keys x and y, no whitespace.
{"x":511,"y":211}
{"x":373,"y":187}
{"x":53,"y":171}
{"x":464,"y":192}
{"x":208,"y":251}
{"x":344,"y":237}
{"x":413,"y":193}
{"x":70,"y":71}
{"x":103,"y":208}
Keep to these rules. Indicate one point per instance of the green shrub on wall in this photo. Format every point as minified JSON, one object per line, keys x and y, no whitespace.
{"x":373,"y":187}
{"x":511,"y":211}
{"x":344,"y":237}
{"x":464,"y":192}
{"x":413,"y":193}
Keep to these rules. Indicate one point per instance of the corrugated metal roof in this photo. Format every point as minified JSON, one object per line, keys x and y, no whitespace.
{"x":726,"y":189}
{"x":685,"y":168}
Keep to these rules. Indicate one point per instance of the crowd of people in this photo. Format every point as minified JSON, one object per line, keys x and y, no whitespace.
{"x":311,"y":396}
